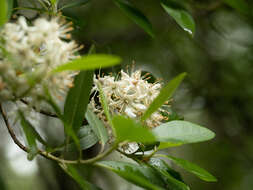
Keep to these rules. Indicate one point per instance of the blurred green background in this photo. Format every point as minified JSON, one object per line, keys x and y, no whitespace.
{"x":217,"y":93}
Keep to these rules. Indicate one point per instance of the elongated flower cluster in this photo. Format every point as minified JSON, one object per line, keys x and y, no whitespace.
{"x":131,"y":95}
{"x":28,"y":54}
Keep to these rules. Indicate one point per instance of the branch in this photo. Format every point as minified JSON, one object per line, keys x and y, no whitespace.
{"x":41,"y":111}
{"x":48,"y":155}
{"x":11,"y":132}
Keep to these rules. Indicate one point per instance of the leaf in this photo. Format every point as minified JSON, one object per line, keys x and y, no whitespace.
{"x":10,"y":8}
{"x":75,"y":4}
{"x":182,"y":132}
{"x":129,"y":130}
{"x":76,"y":104}
{"x":164,"y":145}
{"x":168,"y":175}
{"x":78,"y":99}
{"x":240,"y":5}
{"x":87,"y":138}
{"x":105,"y":106}
{"x":3,"y":12}
{"x":193,"y":168}
{"x":72,"y":172}
{"x":142,"y":176}
{"x":183,"y":18}
{"x":53,"y":1}
{"x":97,"y":126}
{"x":165,"y":93}
{"x":90,"y":62}
{"x":162,"y":165}
{"x":136,"y":15}
{"x":30,"y":137}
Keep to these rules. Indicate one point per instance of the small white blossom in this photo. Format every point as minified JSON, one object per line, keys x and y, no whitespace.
{"x":28,"y":54}
{"x":130,"y":95}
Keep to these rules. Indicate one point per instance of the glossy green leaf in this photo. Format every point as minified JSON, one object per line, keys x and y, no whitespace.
{"x":90,"y":62}
{"x":182,"y":132}
{"x":171,"y":177}
{"x":97,"y":126}
{"x":73,"y":172}
{"x":129,"y":130}
{"x":240,"y":5}
{"x":3,"y":12}
{"x":136,"y":15}
{"x":30,"y":137}
{"x":193,"y":168}
{"x":142,"y":176}
{"x":182,"y":17}
{"x":161,"y":164}
{"x":78,"y":99}
{"x":87,"y":137}
{"x":75,"y":4}
{"x":165,"y":93}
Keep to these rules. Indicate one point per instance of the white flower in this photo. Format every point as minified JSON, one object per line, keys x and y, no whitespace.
{"x":28,"y":54}
{"x":131,"y":95}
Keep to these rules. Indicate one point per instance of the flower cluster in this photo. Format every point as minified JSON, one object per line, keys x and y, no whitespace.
{"x":131,"y":95}
{"x":28,"y":54}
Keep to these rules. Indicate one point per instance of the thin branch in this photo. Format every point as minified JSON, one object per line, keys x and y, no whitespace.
{"x":41,"y":111}
{"x":48,"y":155}
{"x":11,"y":132}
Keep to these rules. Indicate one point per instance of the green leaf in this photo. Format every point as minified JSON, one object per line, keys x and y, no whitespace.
{"x":142,"y":176}
{"x":3,"y":12}
{"x":75,"y":4}
{"x":193,"y":168}
{"x":78,"y":99}
{"x":240,"y":5}
{"x":165,"y":93}
{"x":72,"y":172}
{"x":182,"y":132}
{"x":97,"y":126}
{"x":87,"y":137}
{"x":168,"y":175}
{"x":76,"y":104}
{"x":90,"y":62}
{"x":136,"y":15}
{"x":105,"y":106}
{"x":183,"y":18}
{"x":129,"y":130}
{"x":164,"y":145}
{"x":30,"y":137}
{"x":10,"y":8}
{"x":53,"y":1}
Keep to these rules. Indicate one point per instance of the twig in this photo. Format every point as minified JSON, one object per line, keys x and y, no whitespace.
{"x":41,"y":111}
{"x":11,"y":132}
{"x":47,"y":154}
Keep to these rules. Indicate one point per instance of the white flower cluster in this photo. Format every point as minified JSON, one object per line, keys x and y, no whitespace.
{"x":28,"y":54}
{"x":131,"y":95}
